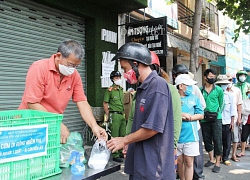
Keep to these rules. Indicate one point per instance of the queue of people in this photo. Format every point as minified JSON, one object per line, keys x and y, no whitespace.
{"x":167,"y":123}
{"x":210,"y":115}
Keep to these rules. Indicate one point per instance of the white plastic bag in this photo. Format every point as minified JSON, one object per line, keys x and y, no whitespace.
{"x":99,"y":156}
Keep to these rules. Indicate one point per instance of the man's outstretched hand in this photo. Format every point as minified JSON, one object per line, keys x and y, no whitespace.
{"x":115,"y":144}
{"x":100,"y":133}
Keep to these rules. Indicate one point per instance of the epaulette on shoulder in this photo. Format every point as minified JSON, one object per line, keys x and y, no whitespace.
{"x":110,"y":88}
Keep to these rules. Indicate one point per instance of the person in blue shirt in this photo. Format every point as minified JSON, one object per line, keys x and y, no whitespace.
{"x":192,"y":111}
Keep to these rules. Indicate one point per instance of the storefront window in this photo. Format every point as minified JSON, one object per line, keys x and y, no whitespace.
{"x":210,"y":17}
{"x":216,"y":68}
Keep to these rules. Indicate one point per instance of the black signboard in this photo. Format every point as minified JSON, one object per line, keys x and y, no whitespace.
{"x":151,"y":33}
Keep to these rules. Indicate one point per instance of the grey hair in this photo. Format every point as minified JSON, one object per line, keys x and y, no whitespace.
{"x":70,"y":46}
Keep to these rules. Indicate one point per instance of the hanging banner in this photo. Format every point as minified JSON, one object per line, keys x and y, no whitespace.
{"x":23,"y":142}
{"x":151,"y":33}
{"x":107,"y":67}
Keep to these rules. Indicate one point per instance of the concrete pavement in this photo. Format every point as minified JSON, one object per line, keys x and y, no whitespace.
{"x":237,"y":170}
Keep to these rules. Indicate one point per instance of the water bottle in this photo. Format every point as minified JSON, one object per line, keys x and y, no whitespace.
{"x":78,"y":168}
{"x":72,"y":157}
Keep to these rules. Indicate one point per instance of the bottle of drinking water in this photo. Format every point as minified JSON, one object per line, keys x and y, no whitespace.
{"x":78,"y":168}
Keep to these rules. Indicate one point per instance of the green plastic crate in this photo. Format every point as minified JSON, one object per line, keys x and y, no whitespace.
{"x":37,"y":167}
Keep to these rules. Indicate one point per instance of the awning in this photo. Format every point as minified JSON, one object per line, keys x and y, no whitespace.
{"x":120,"y":6}
{"x":181,"y":44}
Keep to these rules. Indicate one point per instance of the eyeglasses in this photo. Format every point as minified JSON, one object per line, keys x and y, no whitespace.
{"x":71,"y":65}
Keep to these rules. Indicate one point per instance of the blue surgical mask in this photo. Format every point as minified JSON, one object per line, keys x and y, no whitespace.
{"x":224,"y":87}
{"x":248,"y":95}
{"x":189,"y":90}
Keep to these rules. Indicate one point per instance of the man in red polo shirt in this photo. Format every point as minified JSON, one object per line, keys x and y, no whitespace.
{"x":51,"y":83}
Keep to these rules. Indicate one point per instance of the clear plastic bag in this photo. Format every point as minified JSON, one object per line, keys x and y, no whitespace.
{"x":74,"y":144}
{"x":99,"y":156}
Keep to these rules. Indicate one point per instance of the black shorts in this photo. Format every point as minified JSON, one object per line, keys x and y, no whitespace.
{"x":245,"y":132}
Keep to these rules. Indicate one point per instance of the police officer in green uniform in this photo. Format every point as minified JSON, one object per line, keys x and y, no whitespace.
{"x":113,"y":107}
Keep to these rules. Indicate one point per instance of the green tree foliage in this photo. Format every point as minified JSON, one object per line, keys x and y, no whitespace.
{"x":168,"y":2}
{"x":237,"y":10}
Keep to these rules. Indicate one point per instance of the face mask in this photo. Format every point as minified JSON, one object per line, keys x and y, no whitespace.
{"x":130,"y":77}
{"x":189,"y":90}
{"x":66,"y":71}
{"x":224,"y":87}
{"x":248,"y":96}
{"x":242,"y":78}
{"x":210,"y":80}
{"x":230,"y":85}
{"x":118,"y":82}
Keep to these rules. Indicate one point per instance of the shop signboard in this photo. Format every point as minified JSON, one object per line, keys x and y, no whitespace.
{"x":151,"y":33}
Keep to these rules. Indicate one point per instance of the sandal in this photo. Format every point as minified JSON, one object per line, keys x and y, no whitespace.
{"x":235,"y":159}
{"x":227,"y":163}
{"x":239,"y":147}
{"x":240,"y":155}
{"x":209,"y":163}
{"x":216,"y":169}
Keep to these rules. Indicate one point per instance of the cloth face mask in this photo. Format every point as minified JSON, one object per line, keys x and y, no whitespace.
{"x":66,"y":71}
{"x":189,"y":90}
{"x":118,"y":82}
{"x":130,"y":77}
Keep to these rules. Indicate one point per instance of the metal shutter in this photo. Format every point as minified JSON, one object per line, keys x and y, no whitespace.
{"x":30,"y":31}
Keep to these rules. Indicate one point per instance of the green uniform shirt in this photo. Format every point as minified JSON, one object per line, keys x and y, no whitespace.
{"x":214,"y":100}
{"x":243,"y":88}
{"x":176,"y":103}
{"x":114,"y":97}
{"x":131,"y":116}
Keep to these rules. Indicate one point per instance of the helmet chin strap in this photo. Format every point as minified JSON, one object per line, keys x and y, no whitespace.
{"x":157,"y":69}
{"x":135,"y":68}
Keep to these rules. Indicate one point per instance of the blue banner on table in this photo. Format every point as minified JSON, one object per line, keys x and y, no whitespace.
{"x":23,"y":142}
